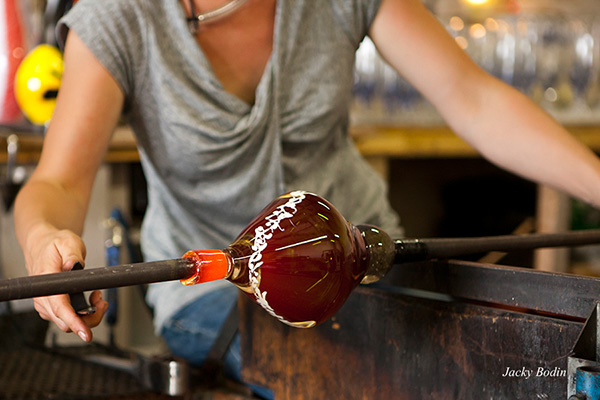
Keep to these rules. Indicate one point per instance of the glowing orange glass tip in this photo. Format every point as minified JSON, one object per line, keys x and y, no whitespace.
{"x":211,"y":265}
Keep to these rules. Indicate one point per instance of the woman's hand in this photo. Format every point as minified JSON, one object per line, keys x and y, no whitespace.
{"x":50,"y":250}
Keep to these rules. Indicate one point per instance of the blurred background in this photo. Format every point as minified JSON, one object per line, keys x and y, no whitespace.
{"x":549,"y":50}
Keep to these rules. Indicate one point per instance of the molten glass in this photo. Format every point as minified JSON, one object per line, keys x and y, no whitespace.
{"x":299,"y":259}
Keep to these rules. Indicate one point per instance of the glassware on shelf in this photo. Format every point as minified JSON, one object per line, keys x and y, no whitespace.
{"x":582,"y":56}
{"x":592,"y":91}
{"x":525,"y":58}
{"x":365,"y":73}
{"x":550,"y":53}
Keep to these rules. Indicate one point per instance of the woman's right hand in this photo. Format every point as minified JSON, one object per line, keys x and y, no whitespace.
{"x":51,"y":250}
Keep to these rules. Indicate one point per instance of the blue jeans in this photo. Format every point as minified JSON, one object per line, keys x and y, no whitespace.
{"x":191,"y":332}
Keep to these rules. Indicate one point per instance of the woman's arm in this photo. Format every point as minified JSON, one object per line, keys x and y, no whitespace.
{"x":50,"y":209}
{"x":504,"y":125}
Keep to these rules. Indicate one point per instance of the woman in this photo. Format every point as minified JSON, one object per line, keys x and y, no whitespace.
{"x":232,"y":112}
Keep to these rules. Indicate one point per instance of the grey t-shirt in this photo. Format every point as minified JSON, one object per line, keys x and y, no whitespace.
{"x":212,"y":161}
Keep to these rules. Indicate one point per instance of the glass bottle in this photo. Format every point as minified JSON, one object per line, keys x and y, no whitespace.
{"x":299,"y":259}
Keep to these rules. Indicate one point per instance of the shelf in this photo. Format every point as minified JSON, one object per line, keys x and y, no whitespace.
{"x":435,"y":142}
{"x":122,"y":147}
{"x":372,"y":141}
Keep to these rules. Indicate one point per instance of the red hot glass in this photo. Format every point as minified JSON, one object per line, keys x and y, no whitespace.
{"x":299,"y":259}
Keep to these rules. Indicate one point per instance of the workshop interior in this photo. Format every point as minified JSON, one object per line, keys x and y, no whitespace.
{"x":498,"y":324}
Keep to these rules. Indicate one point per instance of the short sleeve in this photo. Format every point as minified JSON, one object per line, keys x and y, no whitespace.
{"x":356,"y":16}
{"x":113,"y":31}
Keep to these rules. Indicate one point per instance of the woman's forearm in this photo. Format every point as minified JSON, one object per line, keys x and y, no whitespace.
{"x":504,"y":125}
{"x":59,"y":210}
{"x":511,"y":131}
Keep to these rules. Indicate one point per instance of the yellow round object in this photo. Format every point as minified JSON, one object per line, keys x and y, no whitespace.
{"x":37,"y":82}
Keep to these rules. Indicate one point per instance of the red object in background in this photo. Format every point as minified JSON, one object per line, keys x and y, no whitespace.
{"x":12,"y":51}
{"x":514,"y":6}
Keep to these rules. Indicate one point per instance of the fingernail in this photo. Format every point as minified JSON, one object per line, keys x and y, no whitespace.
{"x":77,"y":266}
{"x":83,"y":336}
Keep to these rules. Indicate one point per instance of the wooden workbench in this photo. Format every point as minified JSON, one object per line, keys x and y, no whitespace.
{"x":436,"y":330}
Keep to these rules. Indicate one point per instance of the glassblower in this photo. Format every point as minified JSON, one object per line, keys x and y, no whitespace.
{"x":299,"y":259}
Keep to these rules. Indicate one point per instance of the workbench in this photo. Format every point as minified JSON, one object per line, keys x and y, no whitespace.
{"x":435,"y":330}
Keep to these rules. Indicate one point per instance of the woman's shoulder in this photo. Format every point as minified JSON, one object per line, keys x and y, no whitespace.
{"x":122,"y":17}
{"x":118,"y":9}
{"x":354,"y":17}
{"x":123,"y":8}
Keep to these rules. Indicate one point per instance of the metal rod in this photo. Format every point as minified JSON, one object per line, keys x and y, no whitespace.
{"x":96,"y":278}
{"x":408,"y":250}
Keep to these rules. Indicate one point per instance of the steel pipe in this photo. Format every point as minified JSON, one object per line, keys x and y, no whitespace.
{"x":72,"y":282}
{"x":410,"y":250}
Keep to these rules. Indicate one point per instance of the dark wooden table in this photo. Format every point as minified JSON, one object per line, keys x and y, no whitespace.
{"x":451,"y":330}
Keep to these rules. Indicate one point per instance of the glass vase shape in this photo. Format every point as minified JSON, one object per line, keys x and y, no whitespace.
{"x":299,"y":259}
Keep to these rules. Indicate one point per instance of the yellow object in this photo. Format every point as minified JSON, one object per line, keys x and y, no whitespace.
{"x":37,"y":82}
{"x":477,"y":2}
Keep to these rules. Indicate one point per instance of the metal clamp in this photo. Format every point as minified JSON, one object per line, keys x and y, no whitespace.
{"x":584,"y":363}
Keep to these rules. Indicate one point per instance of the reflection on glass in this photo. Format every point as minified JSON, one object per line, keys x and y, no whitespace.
{"x":299,"y":259}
